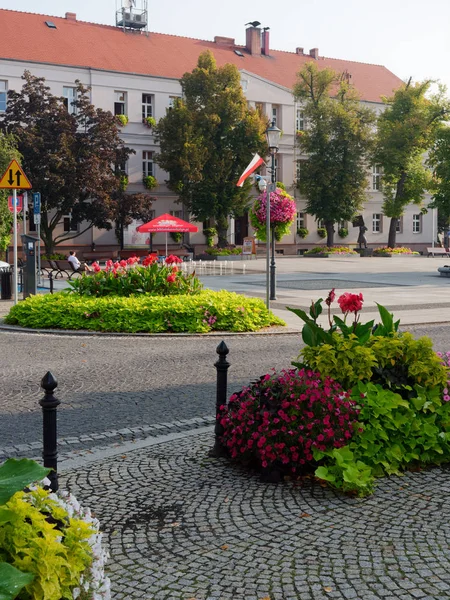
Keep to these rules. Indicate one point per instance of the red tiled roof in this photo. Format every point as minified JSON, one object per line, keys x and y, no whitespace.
{"x":104,"y":47}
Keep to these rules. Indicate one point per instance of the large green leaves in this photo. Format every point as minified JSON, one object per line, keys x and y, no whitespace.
{"x":12,"y":581}
{"x":17,"y":474}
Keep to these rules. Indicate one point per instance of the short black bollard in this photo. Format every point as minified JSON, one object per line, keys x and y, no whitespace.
{"x":221,"y":398}
{"x":50,"y":280}
{"x":50,"y":451}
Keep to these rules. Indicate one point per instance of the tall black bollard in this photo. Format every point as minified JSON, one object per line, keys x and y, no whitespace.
{"x":222,"y":366}
{"x":50,"y":451}
{"x":50,"y":280}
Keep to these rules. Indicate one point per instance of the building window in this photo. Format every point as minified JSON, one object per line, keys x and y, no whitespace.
{"x":70,"y":96}
{"x":301,"y":220}
{"x":172,"y":100}
{"x":417,"y":223}
{"x":300,"y":166}
{"x":120,"y":103}
{"x":69,"y":225}
{"x":147,"y":106}
{"x":299,"y":120}
{"x":177,"y":213}
{"x":377,"y":223}
{"x":275,"y":114}
{"x":376,"y":178}
{"x":147,"y":164}
{"x":399,"y":227}
{"x":3,"y":95}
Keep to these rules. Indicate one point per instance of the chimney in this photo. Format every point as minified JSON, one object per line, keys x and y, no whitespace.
{"x":265,"y":42}
{"x":71,"y":16}
{"x":224,"y":41}
{"x":253,"y":40}
{"x":314,"y":52}
{"x":300,"y":51}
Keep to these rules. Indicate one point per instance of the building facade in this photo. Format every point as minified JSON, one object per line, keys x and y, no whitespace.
{"x":136,"y":73}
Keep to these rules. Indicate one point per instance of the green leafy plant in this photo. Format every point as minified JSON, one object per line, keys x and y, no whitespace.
{"x":322,"y":232}
{"x":54,"y":256}
{"x":302,"y":232}
{"x":209,"y":233}
{"x":385,"y":251}
{"x":343,"y":232}
{"x":223,"y":251}
{"x":149,"y":182}
{"x":330,"y":250}
{"x":177,"y":236}
{"x":198,"y":313}
{"x":123,"y":183}
{"x":150,"y":122}
{"x":122,"y":120}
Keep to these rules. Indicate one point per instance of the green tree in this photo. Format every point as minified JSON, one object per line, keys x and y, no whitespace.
{"x":7,"y":153}
{"x":406,"y":131}
{"x":207,"y":140}
{"x":439,"y":160}
{"x":69,"y":158}
{"x":338,"y":142}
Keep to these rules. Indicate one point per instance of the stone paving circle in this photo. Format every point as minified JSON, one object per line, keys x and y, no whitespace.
{"x":184,"y":526}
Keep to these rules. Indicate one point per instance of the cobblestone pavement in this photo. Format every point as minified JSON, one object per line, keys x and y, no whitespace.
{"x":183,"y":526}
{"x":116,"y":389}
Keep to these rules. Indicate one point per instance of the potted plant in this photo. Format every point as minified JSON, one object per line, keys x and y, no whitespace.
{"x":343,"y":232}
{"x":302,"y":232}
{"x":177,"y":236}
{"x":149,"y":182}
{"x":322,"y":232}
{"x":122,"y":120}
{"x":150,"y":122}
{"x":209,"y":233}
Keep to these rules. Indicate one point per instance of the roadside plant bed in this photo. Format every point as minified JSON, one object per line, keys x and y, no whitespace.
{"x":326,"y":250}
{"x":200,"y":313}
{"x":50,"y":547}
{"x":385,"y":251}
{"x":223,"y":251}
{"x":364,"y":401}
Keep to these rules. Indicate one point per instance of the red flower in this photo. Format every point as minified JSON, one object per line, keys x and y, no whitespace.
{"x":331,"y":297}
{"x":123,"y":263}
{"x":149,"y":260}
{"x":350,"y":302}
{"x":171,"y":259}
{"x":96,"y":267}
{"x":171,"y":278}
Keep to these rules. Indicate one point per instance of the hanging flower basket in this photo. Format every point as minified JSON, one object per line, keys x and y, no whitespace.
{"x":150,"y":122}
{"x":122,"y":120}
{"x":282,"y":214}
{"x":149,"y":182}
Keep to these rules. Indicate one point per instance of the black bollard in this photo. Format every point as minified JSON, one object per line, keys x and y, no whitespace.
{"x":50,"y":451}
{"x":222,"y":366}
{"x":50,"y":279}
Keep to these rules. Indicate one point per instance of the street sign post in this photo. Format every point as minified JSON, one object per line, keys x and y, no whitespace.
{"x":14,"y":179}
{"x":37,"y":221}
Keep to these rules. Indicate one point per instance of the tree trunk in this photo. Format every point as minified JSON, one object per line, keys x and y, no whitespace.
{"x":222,"y":230}
{"x":329,"y":226}
{"x":392,"y":232}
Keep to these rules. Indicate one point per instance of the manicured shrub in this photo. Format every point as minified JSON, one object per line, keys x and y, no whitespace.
{"x":385,"y":250}
{"x":199,"y":313}
{"x":330,"y":250}
{"x":223,"y":251}
{"x":278,"y":420}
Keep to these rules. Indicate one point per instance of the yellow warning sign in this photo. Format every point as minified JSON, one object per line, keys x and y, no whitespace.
{"x":14,"y":178}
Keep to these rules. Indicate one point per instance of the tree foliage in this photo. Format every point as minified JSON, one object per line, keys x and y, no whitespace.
{"x":206,"y":141}
{"x":338,"y":142}
{"x":406,"y":130}
{"x":69,"y":158}
{"x":7,"y":153}
{"x":439,"y":160}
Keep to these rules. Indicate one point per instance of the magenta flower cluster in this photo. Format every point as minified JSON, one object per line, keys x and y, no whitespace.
{"x":281,"y":418}
{"x":445,"y":360}
{"x":282,"y":208}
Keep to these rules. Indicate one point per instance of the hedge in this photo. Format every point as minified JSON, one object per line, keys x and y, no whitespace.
{"x":201,"y":313}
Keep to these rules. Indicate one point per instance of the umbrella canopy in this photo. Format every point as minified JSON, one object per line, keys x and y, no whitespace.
{"x":167,"y":223}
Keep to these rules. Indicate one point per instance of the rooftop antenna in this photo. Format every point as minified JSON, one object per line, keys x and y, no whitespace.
{"x":131,"y":17}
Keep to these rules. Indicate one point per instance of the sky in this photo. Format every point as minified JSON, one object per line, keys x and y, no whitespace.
{"x":409,"y":37}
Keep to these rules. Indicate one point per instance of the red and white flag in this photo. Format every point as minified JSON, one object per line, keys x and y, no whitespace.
{"x":256,"y":162}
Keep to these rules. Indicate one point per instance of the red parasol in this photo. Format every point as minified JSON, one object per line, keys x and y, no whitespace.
{"x":166,"y":224}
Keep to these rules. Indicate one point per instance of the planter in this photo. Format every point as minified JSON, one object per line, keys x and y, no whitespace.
{"x":231,"y":257}
{"x":317,"y":255}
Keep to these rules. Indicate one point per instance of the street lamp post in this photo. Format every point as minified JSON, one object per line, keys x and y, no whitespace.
{"x":273,"y":135}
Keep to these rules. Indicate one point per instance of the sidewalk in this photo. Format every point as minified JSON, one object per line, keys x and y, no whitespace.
{"x":180,"y":525}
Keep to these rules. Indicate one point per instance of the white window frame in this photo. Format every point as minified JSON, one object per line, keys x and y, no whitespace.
{"x":299,"y":120}
{"x":377,"y":223}
{"x":69,"y":228}
{"x":376,"y":178}
{"x":176,"y":213}
{"x":120,"y":102}
{"x":399,"y":228}
{"x":70,"y":96}
{"x":417,"y":223}
{"x":301,"y":220}
{"x":277,"y":162}
{"x":3,"y":95}
{"x":148,"y":164}
{"x":275,"y":114}
{"x":148,"y":101}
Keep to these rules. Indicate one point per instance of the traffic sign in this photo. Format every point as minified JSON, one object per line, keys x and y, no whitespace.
{"x":14,"y":178}
{"x":271,"y":188}
{"x":36,"y":203}
{"x":19,"y":203}
{"x":37,"y":219}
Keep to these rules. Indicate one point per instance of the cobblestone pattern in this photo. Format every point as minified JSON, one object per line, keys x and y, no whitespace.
{"x":183,"y":526}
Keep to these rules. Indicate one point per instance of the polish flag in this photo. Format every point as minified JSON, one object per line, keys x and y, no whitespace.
{"x":256,"y":162}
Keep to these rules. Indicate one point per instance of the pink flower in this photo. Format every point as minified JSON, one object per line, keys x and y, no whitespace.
{"x":331,"y":297}
{"x":350,"y":302}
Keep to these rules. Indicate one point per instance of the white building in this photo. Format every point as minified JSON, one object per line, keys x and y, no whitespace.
{"x":136,"y":73}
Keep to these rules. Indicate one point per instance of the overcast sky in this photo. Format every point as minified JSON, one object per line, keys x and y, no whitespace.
{"x":409,"y":37}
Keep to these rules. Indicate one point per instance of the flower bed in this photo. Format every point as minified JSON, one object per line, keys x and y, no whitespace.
{"x":50,"y":547}
{"x":326,"y":250}
{"x":386,"y":251}
{"x":395,"y":395}
{"x":199,"y":313}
